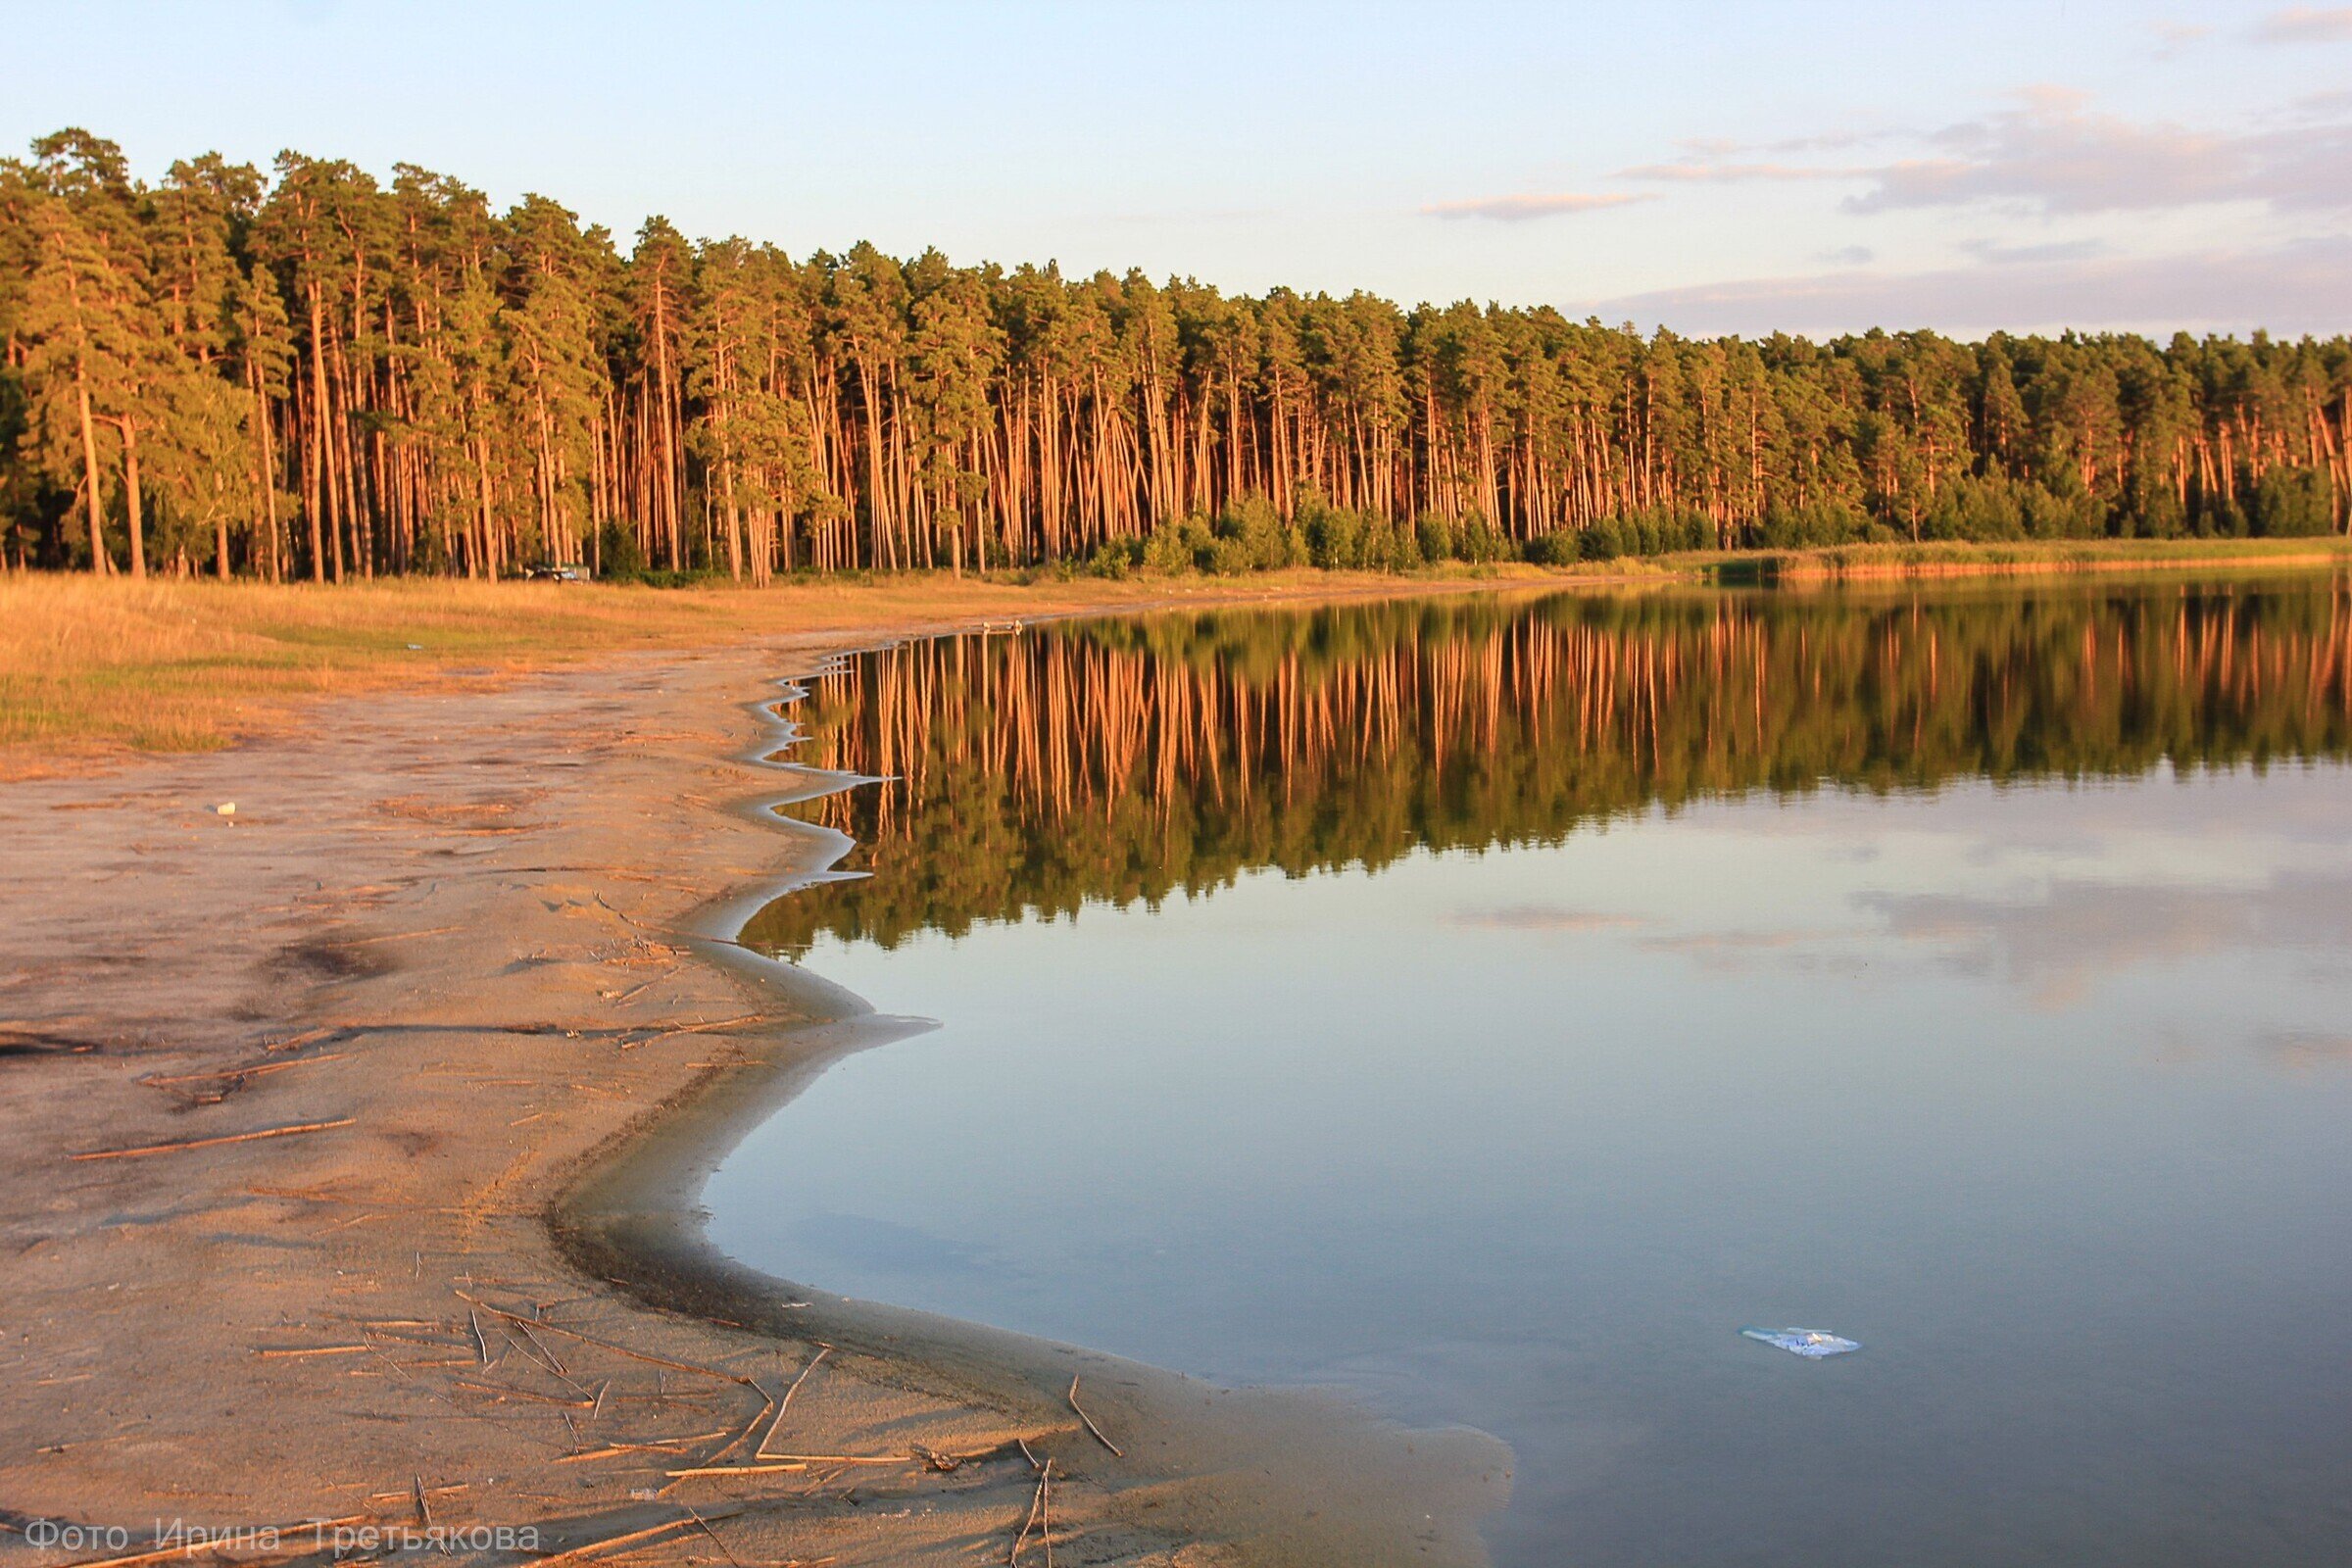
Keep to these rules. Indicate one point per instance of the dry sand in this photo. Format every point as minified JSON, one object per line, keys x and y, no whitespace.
{"x":454,"y":950}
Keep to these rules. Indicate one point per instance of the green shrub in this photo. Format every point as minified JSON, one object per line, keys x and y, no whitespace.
{"x":1479,"y":540}
{"x":1115,"y":558}
{"x":1814,"y":525}
{"x":1561,"y":549}
{"x":1264,"y":540}
{"x":619,"y":559}
{"x":2292,"y":502}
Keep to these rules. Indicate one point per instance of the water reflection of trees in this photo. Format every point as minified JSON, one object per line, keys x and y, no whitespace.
{"x":1127,"y":759}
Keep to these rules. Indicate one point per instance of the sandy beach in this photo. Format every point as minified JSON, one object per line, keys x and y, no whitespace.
{"x":364,"y":1119}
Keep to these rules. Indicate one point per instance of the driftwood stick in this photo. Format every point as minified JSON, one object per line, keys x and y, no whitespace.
{"x":606,"y":1344}
{"x":258,"y":1070}
{"x":614,"y":1451}
{"x":503,"y":1389}
{"x":210,"y":1143}
{"x":704,"y":1524}
{"x":1037,"y":1503}
{"x":785,"y":1403}
{"x":693,"y":1029}
{"x":545,"y":1354}
{"x":769,"y":1469}
{"x":767,"y":1405}
{"x":1045,"y":1524}
{"x":1090,"y":1423}
{"x":610,"y":1543}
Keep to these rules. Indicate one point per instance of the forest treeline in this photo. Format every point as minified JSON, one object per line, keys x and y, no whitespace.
{"x":314,"y":374}
{"x":1026,"y":776}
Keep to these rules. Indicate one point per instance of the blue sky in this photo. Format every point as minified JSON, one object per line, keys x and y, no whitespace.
{"x":1813,"y":166}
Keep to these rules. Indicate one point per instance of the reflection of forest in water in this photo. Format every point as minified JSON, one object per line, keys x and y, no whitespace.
{"x":1126,"y":760}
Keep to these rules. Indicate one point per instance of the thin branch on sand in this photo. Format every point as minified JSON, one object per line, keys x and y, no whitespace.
{"x":606,"y":1344}
{"x":258,"y":1069}
{"x":693,"y":1029}
{"x":785,"y":1403}
{"x":210,"y":1143}
{"x":1089,"y":1422}
{"x":595,"y":1548}
{"x":767,"y":1403}
{"x":1041,"y":1511}
{"x":705,"y":1528}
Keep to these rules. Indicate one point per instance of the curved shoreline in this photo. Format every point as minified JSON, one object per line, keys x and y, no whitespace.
{"x":455,"y":939}
{"x":1327,"y":1479}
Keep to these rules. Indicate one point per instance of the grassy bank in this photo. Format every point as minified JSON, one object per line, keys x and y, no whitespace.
{"x":90,"y":667}
{"x":1951,"y":559}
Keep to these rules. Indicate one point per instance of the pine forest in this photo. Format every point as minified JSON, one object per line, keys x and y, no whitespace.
{"x":314,"y":374}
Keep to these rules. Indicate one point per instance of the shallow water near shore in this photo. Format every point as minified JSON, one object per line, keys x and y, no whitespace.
{"x":1489,"y":1008}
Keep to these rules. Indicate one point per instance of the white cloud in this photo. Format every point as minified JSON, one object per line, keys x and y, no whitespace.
{"x":1995,"y":254}
{"x":1707,"y":172}
{"x":2055,"y":154}
{"x":2294,"y":289}
{"x":1520,"y":208}
{"x":2306,"y":24}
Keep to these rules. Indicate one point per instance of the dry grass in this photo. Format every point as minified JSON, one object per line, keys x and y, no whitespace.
{"x":92,"y":668}
{"x":1945,"y":558}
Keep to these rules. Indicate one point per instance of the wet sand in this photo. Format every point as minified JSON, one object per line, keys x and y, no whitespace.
{"x":351,"y":1136}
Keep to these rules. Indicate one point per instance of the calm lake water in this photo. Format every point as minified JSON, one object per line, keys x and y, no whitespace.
{"x":1490,"y":1008}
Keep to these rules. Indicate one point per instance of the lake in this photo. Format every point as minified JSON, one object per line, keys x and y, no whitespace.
{"x":1491,"y":1005}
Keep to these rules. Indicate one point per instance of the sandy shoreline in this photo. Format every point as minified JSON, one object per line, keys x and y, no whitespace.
{"x":448,"y":952}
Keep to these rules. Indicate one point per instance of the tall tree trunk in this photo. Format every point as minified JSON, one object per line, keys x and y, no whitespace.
{"x":100,"y":561}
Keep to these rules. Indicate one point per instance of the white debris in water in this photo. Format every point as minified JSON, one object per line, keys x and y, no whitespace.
{"x":225,"y":808}
{"x":1812,"y":1344}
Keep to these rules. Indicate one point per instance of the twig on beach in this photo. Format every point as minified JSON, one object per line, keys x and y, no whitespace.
{"x":606,"y":1344}
{"x":610,"y":1543}
{"x":785,"y":1403}
{"x":424,"y":1510}
{"x":776,"y":1467}
{"x":316,"y":1350}
{"x":307,"y":1038}
{"x":545,"y":1354}
{"x":481,"y":1341}
{"x":526,"y":1393}
{"x":614,"y":1451}
{"x":693,"y":1029}
{"x":1041,"y":1511}
{"x":208,"y":1143}
{"x":258,"y":1069}
{"x":712,"y":1534}
{"x":1089,"y":1422}
{"x":767,"y":1403}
